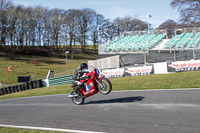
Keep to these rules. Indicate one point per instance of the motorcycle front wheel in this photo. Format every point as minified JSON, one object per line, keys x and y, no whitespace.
{"x":105,"y":87}
{"x":77,"y":98}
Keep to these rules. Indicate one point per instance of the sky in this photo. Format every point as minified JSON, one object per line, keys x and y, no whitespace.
{"x":160,"y":10}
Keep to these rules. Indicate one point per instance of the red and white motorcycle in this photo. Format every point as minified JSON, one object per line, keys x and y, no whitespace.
{"x":92,"y":85}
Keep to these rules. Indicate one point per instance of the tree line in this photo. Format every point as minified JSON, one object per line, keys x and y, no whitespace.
{"x":189,"y":16}
{"x":22,"y":27}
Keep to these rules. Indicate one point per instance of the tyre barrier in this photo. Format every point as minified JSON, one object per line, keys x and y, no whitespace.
{"x":21,"y":87}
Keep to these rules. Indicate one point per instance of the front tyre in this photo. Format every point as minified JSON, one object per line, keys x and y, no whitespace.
{"x":77,"y":98}
{"x":105,"y":87}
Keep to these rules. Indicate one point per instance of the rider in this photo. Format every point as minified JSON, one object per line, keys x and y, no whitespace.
{"x":78,"y":75}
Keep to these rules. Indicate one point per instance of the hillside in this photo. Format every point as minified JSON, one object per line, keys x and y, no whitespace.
{"x":21,"y":65}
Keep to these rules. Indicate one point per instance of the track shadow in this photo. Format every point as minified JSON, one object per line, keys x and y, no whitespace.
{"x":118,"y":100}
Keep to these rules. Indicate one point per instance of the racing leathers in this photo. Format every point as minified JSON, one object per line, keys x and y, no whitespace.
{"x":77,"y":76}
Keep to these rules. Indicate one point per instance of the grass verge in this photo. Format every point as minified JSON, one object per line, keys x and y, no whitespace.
{"x":21,"y":66}
{"x":60,"y":89}
{"x":161,"y":81}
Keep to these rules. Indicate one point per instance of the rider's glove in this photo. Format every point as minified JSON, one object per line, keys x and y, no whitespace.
{"x":89,"y":76}
{"x":83,"y":78}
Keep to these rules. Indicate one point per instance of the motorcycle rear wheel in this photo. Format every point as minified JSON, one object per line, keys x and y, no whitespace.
{"x":78,"y":100}
{"x":106,"y":87}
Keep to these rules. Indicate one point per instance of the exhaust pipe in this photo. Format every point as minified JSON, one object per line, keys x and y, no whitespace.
{"x":71,"y":96}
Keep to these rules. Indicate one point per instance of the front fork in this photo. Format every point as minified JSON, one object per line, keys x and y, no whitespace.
{"x":99,"y":82}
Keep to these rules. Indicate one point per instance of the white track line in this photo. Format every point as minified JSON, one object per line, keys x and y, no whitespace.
{"x":49,"y":129}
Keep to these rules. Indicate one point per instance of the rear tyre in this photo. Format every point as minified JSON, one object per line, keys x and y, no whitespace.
{"x":105,"y":87}
{"x":77,"y":99}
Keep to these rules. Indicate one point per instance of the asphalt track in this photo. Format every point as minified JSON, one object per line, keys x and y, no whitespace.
{"x":154,"y":111}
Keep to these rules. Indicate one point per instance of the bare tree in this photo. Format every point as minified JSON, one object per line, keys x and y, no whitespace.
{"x":85,"y":22}
{"x":107,"y":30}
{"x":12,"y":25}
{"x":118,"y":26}
{"x":48,"y":31}
{"x":189,"y":10}
{"x":39,"y":14}
{"x":127,"y":24}
{"x":21,"y":25}
{"x":103,"y":30}
{"x":56,"y":24}
{"x":95,"y":29}
{"x":4,"y":6}
{"x":72,"y":20}
{"x":170,"y":25}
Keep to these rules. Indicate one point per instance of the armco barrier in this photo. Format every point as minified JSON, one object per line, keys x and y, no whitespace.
{"x":60,"y":80}
{"x":21,"y":87}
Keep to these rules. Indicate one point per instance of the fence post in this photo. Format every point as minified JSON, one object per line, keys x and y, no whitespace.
{"x":33,"y":84}
{"x":1,"y":92}
{"x":30,"y":86}
{"x":10,"y":89}
{"x":16,"y":88}
{"x":6,"y":90}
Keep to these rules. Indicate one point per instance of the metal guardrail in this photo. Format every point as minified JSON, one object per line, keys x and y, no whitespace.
{"x":60,"y":80}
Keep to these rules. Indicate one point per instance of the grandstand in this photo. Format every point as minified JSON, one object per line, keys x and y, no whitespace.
{"x":154,"y":47}
{"x":187,"y":40}
{"x":133,"y":43}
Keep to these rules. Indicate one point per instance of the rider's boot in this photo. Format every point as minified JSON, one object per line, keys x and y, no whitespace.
{"x":76,"y":92}
{"x":77,"y":88}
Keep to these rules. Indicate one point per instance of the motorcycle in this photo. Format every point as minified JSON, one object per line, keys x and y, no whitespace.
{"x":92,"y":85}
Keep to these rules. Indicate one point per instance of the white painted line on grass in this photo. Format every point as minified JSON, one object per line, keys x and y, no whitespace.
{"x":49,"y":129}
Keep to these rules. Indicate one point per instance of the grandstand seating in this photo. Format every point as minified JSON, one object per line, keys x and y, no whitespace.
{"x":145,"y":42}
{"x":188,"y":40}
{"x":133,"y":43}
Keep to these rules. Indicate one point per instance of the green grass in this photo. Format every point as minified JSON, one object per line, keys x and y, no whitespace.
{"x":16,"y":130}
{"x":161,"y":81}
{"x":79,"y":46}
{"x":21,"y":66}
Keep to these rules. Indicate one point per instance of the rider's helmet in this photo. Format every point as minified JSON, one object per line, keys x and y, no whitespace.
{"x":84,"y":66}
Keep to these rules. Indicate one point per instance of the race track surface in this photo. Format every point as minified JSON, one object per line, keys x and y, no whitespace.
{"x":158,"y":111}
